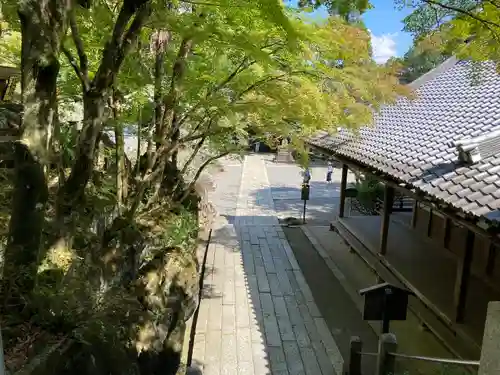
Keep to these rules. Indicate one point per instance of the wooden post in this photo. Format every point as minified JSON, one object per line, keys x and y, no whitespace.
{"x":414,"y":214}
{"x":463,"y":274}
{"x":429,"y":223}
{"x":490,"y":264}
{"x":343,"y":187}
{"x":387,"y":343}
{"x":490,"y":351}
{"x":447,"y":232}
{"x":2,"y":359}
{"x":386,"y":214}
{"x":353,"y":364}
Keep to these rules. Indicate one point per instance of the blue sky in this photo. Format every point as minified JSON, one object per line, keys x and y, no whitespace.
{"x":385,"y":23}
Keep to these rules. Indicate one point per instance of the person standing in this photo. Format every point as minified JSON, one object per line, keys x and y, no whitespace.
{"x":257,"y":146}
{"x":329,"y":172}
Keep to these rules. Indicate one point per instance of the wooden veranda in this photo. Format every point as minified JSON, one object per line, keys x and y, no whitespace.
{"x":443,"y":280}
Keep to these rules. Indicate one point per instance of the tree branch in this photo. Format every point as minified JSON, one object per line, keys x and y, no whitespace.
{"x":245,"y":64}
{"x":196,"y":149}
{"x":200,"y":171}
{"x":84,"y":63}
{"x":76,"y":68}
{"x":95,"y":99}
{"x":494,"y":3}
{"x":191,"y":138}
{"x":461,"y":11}
{"x":122,"y":39}
{"x":171,"y":98}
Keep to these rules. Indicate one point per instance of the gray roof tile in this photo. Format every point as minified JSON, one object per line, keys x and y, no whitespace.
{"x":410,"y":140}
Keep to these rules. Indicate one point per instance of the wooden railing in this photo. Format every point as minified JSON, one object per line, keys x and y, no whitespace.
{"x":401,"y":203}
{"x":387,"y":355}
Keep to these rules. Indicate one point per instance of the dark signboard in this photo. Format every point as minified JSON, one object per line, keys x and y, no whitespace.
{"x":304,"y":194}
{"x":385,"y":302}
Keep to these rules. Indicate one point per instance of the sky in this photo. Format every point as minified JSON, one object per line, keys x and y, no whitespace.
{"x":385,"y":24}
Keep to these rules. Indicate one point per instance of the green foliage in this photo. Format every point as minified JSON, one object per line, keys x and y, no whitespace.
{"x":343,"y":8}
{"x":10,"y":43}
{"x":250,"y":63}
{"x":369,"y":190}
{"x":423,"y":56}
{"x":181,"y":230}
{"x":458,"y":21}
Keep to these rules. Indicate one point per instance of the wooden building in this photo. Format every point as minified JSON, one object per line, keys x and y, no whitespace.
{"x":10,"y":113}
{"x":442,"y":150}
{"x":9,"y":79}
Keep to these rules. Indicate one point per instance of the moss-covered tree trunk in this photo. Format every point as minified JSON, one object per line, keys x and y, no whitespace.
{"x":43,"y":24}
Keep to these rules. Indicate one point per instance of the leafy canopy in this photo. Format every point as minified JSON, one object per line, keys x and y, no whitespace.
{"x":252,"y":63}
{"x":467,"y":28}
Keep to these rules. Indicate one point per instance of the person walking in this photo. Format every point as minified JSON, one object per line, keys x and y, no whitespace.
{"x":329,"y":172}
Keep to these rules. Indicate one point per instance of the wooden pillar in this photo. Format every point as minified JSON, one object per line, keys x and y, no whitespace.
{"x":447,"y":232}
{"x":414,"y":214}
{"x":343,"y":187}
{"x":490,"y":264}
{"x":429,"y":223}
{"x":353,"y":364}
{"x":386,"y":215}
{"x":463,"y":276}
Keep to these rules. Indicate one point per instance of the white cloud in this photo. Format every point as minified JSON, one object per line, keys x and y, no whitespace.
{"x":384,"y":46}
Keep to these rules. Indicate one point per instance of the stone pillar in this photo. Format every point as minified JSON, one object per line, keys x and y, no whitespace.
{"x":490,"y":352}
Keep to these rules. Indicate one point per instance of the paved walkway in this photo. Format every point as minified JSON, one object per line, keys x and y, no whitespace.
{"x":258,"y":316}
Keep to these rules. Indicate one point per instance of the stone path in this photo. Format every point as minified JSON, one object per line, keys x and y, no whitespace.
{"x":258,"y":316}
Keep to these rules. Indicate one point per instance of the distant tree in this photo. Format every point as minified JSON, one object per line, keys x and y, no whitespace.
{"x":424,"y":55}
{"x":468,"y":28}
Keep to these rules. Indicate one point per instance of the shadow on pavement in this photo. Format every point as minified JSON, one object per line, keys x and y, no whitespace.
{"x":266,"y":312}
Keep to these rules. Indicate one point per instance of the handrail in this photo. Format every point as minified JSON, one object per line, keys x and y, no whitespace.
{"x":428,"y":359}
{"x":435,"y":359}
{"x":368,"y":354}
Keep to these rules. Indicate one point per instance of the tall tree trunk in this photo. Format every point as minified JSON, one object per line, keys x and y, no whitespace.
{"x":43,"y":25}
{"x":121,"y":171}
{"x":161,"y":40}
{"x":94,"y":114}
{"x":129,"y":23}
{"x":174,"y":139}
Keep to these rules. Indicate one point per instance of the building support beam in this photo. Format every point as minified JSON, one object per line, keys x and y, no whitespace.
{"x":429,"y":223}
{"x":386,"y":215}
{"x":490,"y":264}
{"x":414,"y":214}
{"x":343,"y":187}
{"x":447,"y":232}
{"x":463,"y":276}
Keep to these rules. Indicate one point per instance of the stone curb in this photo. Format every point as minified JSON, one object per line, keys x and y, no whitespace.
{"x":189,"y":334}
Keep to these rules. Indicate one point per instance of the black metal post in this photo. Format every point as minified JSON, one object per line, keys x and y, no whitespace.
{"x":304,"y":213}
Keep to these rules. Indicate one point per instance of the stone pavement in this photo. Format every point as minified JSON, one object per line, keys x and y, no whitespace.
{"x":286,"y":179}
{"x":258,"y":315}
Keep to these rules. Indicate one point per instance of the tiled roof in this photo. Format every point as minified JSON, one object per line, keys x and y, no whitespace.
{"x":412,"y":139}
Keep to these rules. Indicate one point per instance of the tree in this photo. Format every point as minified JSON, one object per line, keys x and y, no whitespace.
{"x":424,"y":55}
{"x":182,"y":78}
{"x":469,"y":28}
